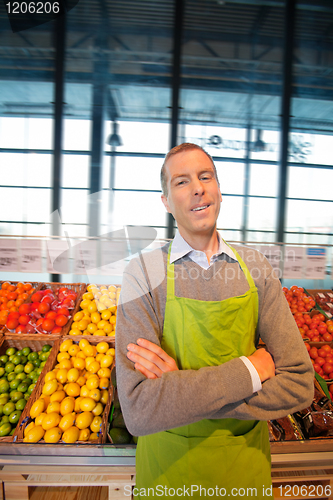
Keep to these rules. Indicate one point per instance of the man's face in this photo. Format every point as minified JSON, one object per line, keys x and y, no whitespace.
{"x":194,"y":196}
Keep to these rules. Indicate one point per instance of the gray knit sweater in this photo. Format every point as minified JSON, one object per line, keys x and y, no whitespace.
{"x":187,"y":396}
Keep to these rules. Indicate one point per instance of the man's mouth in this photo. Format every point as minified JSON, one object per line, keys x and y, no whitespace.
{"x":197,"y":209}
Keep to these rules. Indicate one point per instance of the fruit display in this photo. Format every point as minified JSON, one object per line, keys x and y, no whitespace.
{"x":19,"y":372}
{"x":298,"y":299}
{"x":12,"y":296}
{"x":324,"y":299}
{"x":47,"y":313}
{"x":98,"y":312}
{"x":315,"y":326}
{"x":74,"y":395}
{"x":322,"y":360}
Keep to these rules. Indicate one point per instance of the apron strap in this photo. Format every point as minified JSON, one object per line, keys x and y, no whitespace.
{"x":170,"y":276}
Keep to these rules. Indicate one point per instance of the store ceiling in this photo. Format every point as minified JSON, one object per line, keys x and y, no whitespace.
{"x":231,"y":62}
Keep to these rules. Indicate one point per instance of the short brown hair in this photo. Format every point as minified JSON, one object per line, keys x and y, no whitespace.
{"x":186,"y":146}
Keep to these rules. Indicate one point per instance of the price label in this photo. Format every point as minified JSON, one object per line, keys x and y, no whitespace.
{"x":31,"y":256}
{"x":9,"y":255}
{"x":58,"y":255}
{"x":293,"y":262}
{"x":315,"y":263}
{"x":274,"y":256}
{"x":85,"y":257}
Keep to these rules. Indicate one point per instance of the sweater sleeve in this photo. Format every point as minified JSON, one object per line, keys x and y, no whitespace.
{"x":225,"y":391}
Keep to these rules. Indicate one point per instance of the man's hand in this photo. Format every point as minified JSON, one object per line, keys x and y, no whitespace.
{"x":150,"y":359}
{"x":263,"y":363}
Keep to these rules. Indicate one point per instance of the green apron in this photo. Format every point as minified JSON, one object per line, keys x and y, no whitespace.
{"x":213,"y":454}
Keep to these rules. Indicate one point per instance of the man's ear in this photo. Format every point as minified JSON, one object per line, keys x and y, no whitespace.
{"x":165,"y":203}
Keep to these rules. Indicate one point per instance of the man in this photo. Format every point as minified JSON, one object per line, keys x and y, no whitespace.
{"x":191,"y":381}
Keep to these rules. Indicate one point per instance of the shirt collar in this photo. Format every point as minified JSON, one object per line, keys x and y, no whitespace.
{"x":180,"y":248}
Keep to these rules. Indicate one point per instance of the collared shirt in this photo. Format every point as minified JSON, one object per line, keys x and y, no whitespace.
{"x":179,"y":249}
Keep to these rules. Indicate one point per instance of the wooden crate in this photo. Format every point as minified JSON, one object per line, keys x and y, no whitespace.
{"x":25,"y":417}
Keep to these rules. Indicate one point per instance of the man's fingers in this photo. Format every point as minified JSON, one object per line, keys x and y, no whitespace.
{"x":144,"y":371}
{"x":145,"y":363}
{"x":146,"y":344}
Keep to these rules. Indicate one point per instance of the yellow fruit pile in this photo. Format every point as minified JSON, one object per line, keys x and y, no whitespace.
{"x":74,"y":395}
{"x":98,"y":312}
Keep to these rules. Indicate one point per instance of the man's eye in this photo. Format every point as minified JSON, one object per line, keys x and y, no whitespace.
{"x":180,"y":182}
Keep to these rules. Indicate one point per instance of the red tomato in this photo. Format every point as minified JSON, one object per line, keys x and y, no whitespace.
{"x":34,"y":306}
{"x":313,"y":352}
{"x":315,"y":338}
{"x":320,"y":361}
{"x":21,"y":329}
{"x":308,"y":347}
{"x":64,"y":311}
{"x":48,"y":324}
{"x":30,"y":328}
{"x":36,"y":297}
{"x":47,"y":299}
{"x":322,"y":329}
{"x":72,"y":296}
{"x":56,"y":329}
{"x":12,"y":324}
{"x":24,"y":309}
{"x":327,"y":368}
{"x":51,"y":315}
{"x":61,"y":320}
{"x":43,"y":307}
{"x":48,"y":291}
{"x":327,"y":337}
{"x":14,"y":315}
{"x":322,"y":353}
{"x":24,"y":319}
{"x":330,"y":328}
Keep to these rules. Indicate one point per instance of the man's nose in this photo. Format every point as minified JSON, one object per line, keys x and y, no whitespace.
{"x":198,"y":187}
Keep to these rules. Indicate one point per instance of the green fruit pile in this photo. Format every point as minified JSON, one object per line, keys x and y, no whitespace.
{"x":19,"y":372}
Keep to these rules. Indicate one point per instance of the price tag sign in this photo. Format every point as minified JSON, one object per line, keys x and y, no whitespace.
{"x":31,"y":256}
{"x":274,"y":256}
{"x":293,"y":262}
{"x":9,"y":255}
{"x":58,"y":255}
{"x":85,"y":257}
{"x":315,"y":263}
{"x":112,"y":256}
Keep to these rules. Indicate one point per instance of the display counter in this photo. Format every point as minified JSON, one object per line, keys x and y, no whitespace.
{"x":299,"y":469}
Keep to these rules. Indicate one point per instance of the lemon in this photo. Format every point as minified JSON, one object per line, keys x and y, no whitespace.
{"x":89,"y":350}
{"x":29,"y":427}
{"x":81,"y":355}
{"x":62,"y":355}
{"x":98,"y":410}
{"x":91,"y":287}
{"x":92,"y":382}
{"x":84,"y":434}
{"x":92,"y":307}
{"x":51,"y":420}
{"x":39,"y":418}
{"x":67,"y":405}
{"x":83,"y":343}
{"x":104,"y":396}
{"x":111,"y":334}
{"x":106,"y":314}
{"x":34,"y":435}
{"x":104,"y":372}
{"x":87,"y":404}
{"x":85,"y":303}
{"x":102,"y":347}
{"x":95,"y":394}
{"x":82,"y":325}
{"x":62,"y":375}
{"x":99,"y":333}
{"x":67,"y":421}
{"x":92,"y":327}
{"x":78,"y":316}
{"x":50,"y":387}
{"x":95,"y":318}
{"x":65,"y":345}
{"x":73,"y":389}
{"x":78,"y":363}
{"x":83,"y":420}
{"x":93,"y":436}
{"x":88,"y":360}
{"x":71,"y":435}
{"x":52,"y":435}
{"x":73,"y":350}
{"x":84,"y":391}
{"x":93,"y":367}
{"x":81,"y":381}
{"x":99,"y":357}
{"x":108,"y":302}
{"x":75,"y":331}
{"x":73,"y":374}
{"x":53,"y":406}
{"x":46,"y":400}
{"x":111,"y":351}
{"x":75,"y":325}
{"x":58,"y":396}
{"x":108,"y":329}
{"x":96,"y":424}
{"x":88,"y":295}
{"x":65,"y":364}
{"x":104,"y":383}
{"x":37,"y":408}
{"x":113,"y":320}
{"x":78,"y":400}
{"x":49,"y":376}
{"x":106,"y":361}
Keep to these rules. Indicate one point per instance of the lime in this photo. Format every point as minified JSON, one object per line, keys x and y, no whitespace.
{"x":44,"y":356}
{"x":26,"y":351}
{"x":3,"y":399}
{"x":46,"y":348}
{"x":39,"y":370}
{"x":30,"y":388}
{"x":16,"y":360}
{"x":9,"y":367}
{"x":42,"y":364}
{"x":21,"y":404}
{"x":4,"y":358}
{"x":14,"y":384}
{"x":19,"y":353}
{"x":36,"y":363}
{"x":34,"y":380}
{"x":28,"y":367}
{"x":32,"y":356}
{"x":5,"y":429}
{"x":24,"y":359}
{"x":11,"y":376}
{"x":16,"y":395}
{"x":19,"y":369}
{"x":32,"y":374}
{"x":10,"y":351}
{"x":2,"y":371}
{"x":9,"y":408}
{"x":4,"y":419}
{"x":4,"y":386}
{"x":1,"y":410}
{"x":23,"y":387}
{"x":21,"y":376}
{"x":26,"y":396}
{"x":15,"y":417}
